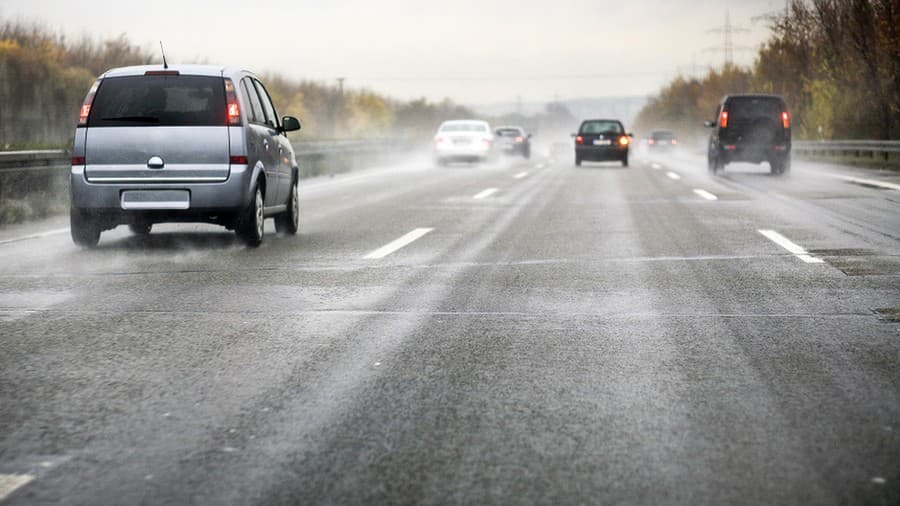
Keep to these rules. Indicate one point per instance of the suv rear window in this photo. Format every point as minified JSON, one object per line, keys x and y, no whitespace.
{"x":159,"y":101}
{"x":601,"y":127}
{"x":753,"y":107}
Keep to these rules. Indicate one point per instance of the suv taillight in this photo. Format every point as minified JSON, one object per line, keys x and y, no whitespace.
{"x":723,"y":119}
{"x":786,"y":120}
{"x":233,"y":108}
{"x":86,"y":105}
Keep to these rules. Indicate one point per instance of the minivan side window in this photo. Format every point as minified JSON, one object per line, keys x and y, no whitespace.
{"x":271,"y":116}
{"x":255,"y":105}
{"x":245,"y":97}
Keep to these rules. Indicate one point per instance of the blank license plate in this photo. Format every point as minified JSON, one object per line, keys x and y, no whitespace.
{"x":602,"y":142}
{"x":156,"y":199}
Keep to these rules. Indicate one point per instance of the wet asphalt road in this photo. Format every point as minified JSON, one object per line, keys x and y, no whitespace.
{"x":591,"y":335}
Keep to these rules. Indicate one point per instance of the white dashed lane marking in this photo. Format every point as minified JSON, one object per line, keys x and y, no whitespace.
{"x":486,"y":193}
{"x":9,"y":483}
{"x":705,"y":194}
{"x":393,"y":246}
{"x":520,"y":175}
{"x":869,"y":182}
{"x":673,"y":175}
{"x":786,"y":243}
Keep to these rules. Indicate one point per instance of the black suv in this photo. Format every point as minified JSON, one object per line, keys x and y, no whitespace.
{"x":751,"y":128}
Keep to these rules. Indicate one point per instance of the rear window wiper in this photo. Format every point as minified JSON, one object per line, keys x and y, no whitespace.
{"x":147,"y":119}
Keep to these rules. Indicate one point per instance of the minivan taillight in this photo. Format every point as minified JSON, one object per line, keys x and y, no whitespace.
{"x":86,"y":105}
{"x":238,"y":160}
{"x":723,"y":119}
{"x":786,"y":120}
{"x":233,"y":108}
{"x":78,"y":160}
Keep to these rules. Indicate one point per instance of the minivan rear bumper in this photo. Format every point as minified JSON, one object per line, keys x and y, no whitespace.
{"x":229,"y":196}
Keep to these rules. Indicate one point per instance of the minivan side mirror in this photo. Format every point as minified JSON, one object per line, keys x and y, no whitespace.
{"x":290,"y":124}
{"x":708,"y":124}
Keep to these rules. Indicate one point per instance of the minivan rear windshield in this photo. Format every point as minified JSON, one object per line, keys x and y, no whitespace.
{"x":754,"y":107}
{"x":159,"y":101}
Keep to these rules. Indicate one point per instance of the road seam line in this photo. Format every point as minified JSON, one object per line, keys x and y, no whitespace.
{"x":705,"y":194}
{"x":393,"y":246}
{"x":486,"y":193}
{"x":39,"y":235}
{"x":793,"y":248}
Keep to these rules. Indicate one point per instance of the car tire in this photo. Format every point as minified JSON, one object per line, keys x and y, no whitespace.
{"x":140,"y":228}
{"x":625,"y":162}
{"x":84,"y":229}
{"x":288,"y":222}
{"x":715,"y":165}
{"x":780,"y":167}
{"x":577,"y":161}
{"x":250,"y":223}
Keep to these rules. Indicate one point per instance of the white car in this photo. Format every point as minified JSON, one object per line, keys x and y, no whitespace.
{"x":463,"y":141}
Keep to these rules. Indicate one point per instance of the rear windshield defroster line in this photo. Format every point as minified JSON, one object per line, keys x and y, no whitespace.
{"x":159,"y":101}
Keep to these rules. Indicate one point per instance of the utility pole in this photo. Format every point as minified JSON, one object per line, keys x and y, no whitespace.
{"x":339,"y":107}
{"x":728,"y":30}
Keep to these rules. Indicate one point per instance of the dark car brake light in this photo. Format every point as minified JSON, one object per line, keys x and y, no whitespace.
{"x":623,"y":141}
{"x":579,"y":140}
{"x":86,"y":105}
{"x":723,"y":119}
{"x":786,"y":120}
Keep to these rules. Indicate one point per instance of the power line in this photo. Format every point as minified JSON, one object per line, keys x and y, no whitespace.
{"x":728,"y":30}
{"x":511,"y":78}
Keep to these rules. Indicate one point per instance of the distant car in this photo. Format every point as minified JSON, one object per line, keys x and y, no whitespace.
{"x":512,"y":140}
{"x":601,"y":140}
{"x":751,"y":128}
{"x":661,"y":140}
{"x":195,"y":143}
{"x":463,"y":141}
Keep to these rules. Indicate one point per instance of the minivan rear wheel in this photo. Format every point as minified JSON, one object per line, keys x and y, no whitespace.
{"x":84,"y":229}
{"x":251,"y":221}
{"x":288,"y":222}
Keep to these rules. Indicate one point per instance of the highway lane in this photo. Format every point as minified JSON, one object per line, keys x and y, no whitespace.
{"x":570,"y":335}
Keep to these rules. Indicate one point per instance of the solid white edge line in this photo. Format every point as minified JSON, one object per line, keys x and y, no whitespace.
{"x":793,"y":248}
{"x":39,"y":235}
{"x":520,"y":175}
{"x":869,"y":182}
{"x":393,"y":246}
{"x":486,"y":193}
{"x":673,"y":175}
{"x":705,"y":194}
{"x":9,"y":483}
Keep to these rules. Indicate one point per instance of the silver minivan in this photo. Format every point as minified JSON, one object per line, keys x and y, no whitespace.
{"x":186,"y":143}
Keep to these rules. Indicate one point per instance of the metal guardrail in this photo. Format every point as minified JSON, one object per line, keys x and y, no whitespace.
{"x":853,"y":148}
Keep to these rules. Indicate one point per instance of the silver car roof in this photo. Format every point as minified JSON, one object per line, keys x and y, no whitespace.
{"x":192,"y":70}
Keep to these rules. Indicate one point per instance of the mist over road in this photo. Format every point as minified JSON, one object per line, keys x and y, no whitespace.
{"x":519,"y":333}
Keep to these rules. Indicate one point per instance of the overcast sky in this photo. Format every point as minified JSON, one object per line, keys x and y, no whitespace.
{"x":473,"y":51}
